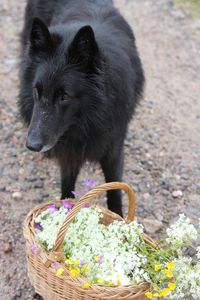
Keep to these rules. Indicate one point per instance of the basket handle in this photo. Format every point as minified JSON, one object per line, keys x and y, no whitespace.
{"x":87,"y":198}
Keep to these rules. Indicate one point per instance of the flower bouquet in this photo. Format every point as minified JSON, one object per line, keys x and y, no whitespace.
{"x":81,"y":251}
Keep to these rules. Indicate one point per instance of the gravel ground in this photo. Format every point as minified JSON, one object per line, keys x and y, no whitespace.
{"x":162,"y":146}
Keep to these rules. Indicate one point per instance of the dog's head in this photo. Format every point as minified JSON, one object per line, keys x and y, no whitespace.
{"x":65,"y":68}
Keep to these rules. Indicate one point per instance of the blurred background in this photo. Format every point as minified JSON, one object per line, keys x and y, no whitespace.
{"x":162,"y":146}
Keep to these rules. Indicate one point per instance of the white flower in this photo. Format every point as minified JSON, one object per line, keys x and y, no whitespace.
{"x":198,"y":253}
{"x":182,"y":233}
{"x":117,"y":253}
{"x":51,"y":223}
{"x":187,"y":281}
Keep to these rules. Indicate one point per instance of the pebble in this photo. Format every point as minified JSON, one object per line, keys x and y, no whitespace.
{"x":177,"y":194}
{"x":31,"y":178}
{"x":21,"y":171}
{"x":17,"y":195}
{"x":7,"y":248}
{"x":1,"y":171}
{"x":146,"y":196}
{"x":14,"y":177}
{"x":136,"y":188}
{"x":151,"y":225}
{"x":39,"y":184}
{"x":185,"y":176}
{"x":39,"y":199}
{"x":17,"y":295}
{"x":2,"y":188}
{"x":45,"y":195}
{"x":136,"y":170}
{"x":165,"y":192}
{"x":153,"y":190}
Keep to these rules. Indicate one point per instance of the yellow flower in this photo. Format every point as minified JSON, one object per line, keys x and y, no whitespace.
{"x":119,"y":283}
{"x":156,"y":295}
{"x":172,"y":286}
{"x":168,"y":273}
{"x":97,"y":258}
{"x":110,"y":282}
{"x":75,"y":272}
{"x":86,"y":269}
{"x":76,"y":262}
{"x":86,"y":286}
{"x":59,"y":272}
{"x":149,"y":295}
{"x":165,"y":292}
{"x":101,"y":281}
{"x":171,"y":266}
{"x":69,"y":262}
{"x":157,"y":268}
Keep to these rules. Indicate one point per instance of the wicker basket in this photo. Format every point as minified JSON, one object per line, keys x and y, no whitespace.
{"x":40,"y":269}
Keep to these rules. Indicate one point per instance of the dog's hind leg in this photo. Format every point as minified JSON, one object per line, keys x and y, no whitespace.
{"x":112,"y":166}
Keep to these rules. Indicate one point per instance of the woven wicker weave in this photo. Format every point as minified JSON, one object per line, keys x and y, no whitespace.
{"x":40,"y":269}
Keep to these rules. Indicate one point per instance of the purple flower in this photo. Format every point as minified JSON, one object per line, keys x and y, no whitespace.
{"x":56,"y":266}
{"x":75,"y":193}
{"x":86,"y":205}
{"x":53,"y":208}
{"x":67,"y":204}
{"x":90,"y":183}
{"x":38,"y":226}
{"x":78,"y":193}
{"x":100,"y":260}
{"x":82,"y":263}
{"x":34,"y":248}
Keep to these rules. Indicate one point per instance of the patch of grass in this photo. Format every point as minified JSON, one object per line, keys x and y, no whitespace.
{"x":193,"y":6}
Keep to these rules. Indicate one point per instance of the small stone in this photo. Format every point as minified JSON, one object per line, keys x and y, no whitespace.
{"x":146,"y":196}
{"x":8,"y":277}
{"x":39,"y":184}
{"x":31,"y":178}
{"x":185,"y":176}
{"x":153,"y":190}
{"x":165,"y":192}
{"x":136,"y":171}
{"x":2,"y":188}
{"x":17,"y":195}
{"x":18,"y":293}
{"x":177,"y":194}
{"x":45,"y":195}
{"x":21,"y":171}
{"x":151,"y":225}
{"x":39,"y":199}
{"x":14,"y":177}
{"x":7,"y":248}
{"x":136,"y":189}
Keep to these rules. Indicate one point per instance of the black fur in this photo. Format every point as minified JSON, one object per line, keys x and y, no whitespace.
{"x":81,"y":78}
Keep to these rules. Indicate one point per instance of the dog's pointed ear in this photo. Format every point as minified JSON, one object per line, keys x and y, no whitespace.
{"x":40,"y":36}
{"x":83,"y":48}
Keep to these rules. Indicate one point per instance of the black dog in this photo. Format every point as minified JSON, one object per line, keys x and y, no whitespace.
{"x":81,"y":78}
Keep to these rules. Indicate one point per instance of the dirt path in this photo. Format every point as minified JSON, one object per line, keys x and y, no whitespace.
{"x":162,"y":147}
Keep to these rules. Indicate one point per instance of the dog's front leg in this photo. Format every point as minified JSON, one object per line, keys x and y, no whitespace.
{"x":68,"y":180}
{"x":112,"y":166}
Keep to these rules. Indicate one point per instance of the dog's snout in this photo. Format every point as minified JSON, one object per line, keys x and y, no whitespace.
{"x":34,"y":145}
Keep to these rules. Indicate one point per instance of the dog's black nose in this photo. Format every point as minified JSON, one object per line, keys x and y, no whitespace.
{"x":34,"y":145}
